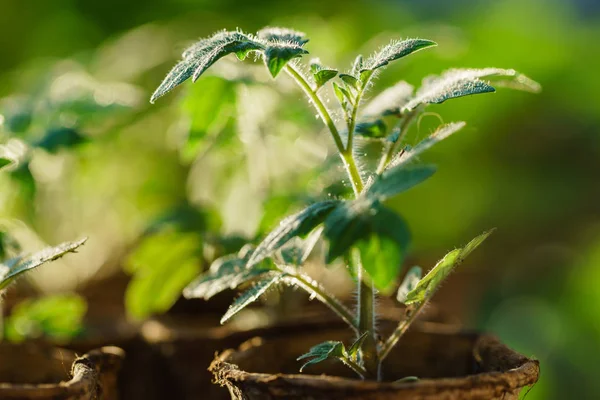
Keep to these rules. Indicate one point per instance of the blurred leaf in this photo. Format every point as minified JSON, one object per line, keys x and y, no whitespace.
{"x":278,"y":54}
{"x":342,"y":94}
{"x":393,"y":51}
{"x":428,"y":285}
{"x":441,"y":133}
{"x":225,"y":273}
{"x":390,"y":101}
{"x":202,"y":55}
{"x":375,"y":129}
{"x":398,"y":179}
{"x":11,"y":269}
{"x":297,"y":250}
{"x":5,"y":162}
{"x":8,"y":245}
{"x":277,"y":34}
{"x":57,"y":138}
{"x":183,"y":217}
{"x":321,"y":74}
{"x":18,"y":121}
{"x":250,"y":295}
{"x":162,"y":265}
{"x":59,"y":317}
{"x":412,"y":278}
{"x":298,"y":224}
{"x":322,"y":352}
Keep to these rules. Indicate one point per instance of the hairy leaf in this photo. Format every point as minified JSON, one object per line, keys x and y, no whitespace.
{"x":297,"y":250}
{"x":11,"y":269}
{"x":428,"y":285}
{"x":298,"y":224}
{"x":322,"y":352}
{"x":440,"y":134}
{"x":321,"y":74}
{"x":349,"y":80}
{"x":353,"y":350}
{"x":412,"y":278}
{"x":272,"y":34}
{"x":393,"y":51}
{"x":498,"y":77}
{"x":59,"y":317}
{"x":225,"y":273}
{"x":342,"y":94}
{"x":390,"y":101}
{"x":203,"y":54}
{"x":279,"y":53}
{"x":251,"y":295}
{"x":398,"y":179}
{"x":371,"y":129}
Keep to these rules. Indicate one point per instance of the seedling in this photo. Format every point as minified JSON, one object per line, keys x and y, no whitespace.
{"x":369,"y":237}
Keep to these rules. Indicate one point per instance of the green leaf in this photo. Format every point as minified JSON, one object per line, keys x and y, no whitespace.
{"x":162,"y":265}
{"x":225,"y":273}
{"x":251,"y":295}
{"x":357,"y":65}
{"x":441,"y":133}
{"x":429,"y":284}
{"x":298,"y":224}
{"x":390,"y":101}
{"x":383,"y":252}
{"x":59,"y":317}
{"x":11,"y":269}
{"x":321,"y":74}
{"x":203,"y":54}
{"x":278,"y":34}
{"x":349,"y":80}
{"x":278,"y":54}
{"x":393,"y":51}
{"x":58,"y":138}
{"x":359,"y":220}
{"x":322,"y":352}
{"x":342,"y":95}
{"x":353,"y":350}
{"x":372,"y":129}
{"x":398,"y":179}
{"x":463,"y":82}
{"x":297,"y":250}
{"x":412,"y":278}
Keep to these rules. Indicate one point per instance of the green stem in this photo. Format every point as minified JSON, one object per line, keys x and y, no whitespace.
{"x":355,"y":367}
{"x":393,"y":149}
{"x":347,"y":157}
{"x":312,"y":287}
{"x":400,"y":331}
{"x":353,"y":115}
{"x":366,"y":320}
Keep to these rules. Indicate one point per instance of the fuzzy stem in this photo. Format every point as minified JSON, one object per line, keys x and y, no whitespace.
{"x":366,"y":320}
{"x":360,"y":371}
{"x":353,"y":115}
{"x":312,"y":287}
{"x":385,"y":160}
{"x":400,"y":331}
{"x":345,"y":154}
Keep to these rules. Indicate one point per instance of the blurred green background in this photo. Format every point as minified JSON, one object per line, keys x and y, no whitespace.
{"x":78,"y":74}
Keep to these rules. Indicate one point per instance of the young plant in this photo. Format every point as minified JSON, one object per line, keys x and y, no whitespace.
{"x":370,"y":237}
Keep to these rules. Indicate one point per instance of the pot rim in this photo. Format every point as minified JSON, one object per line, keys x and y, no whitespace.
{"x":85,"y":372}
{"x":525,"y":374}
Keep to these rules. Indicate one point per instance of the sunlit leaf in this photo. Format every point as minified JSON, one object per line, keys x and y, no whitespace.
{"x":298,"y":224}
{"x":11,"y":269}
{"x":162,"y":265}
{"x":390,"y":101}
{"x":59,"y":317}
{"x":203,"y":54}
{"x":251,"y":295}
{"x":279,"y":34}
{"x":398,"y":179}
{"x":342,"y":94}
{"x":428,"y":285}
{"x":321,"y":74}
{"x":278,"y":54}
{"x":296,"y":251}
{"x":393,"y":51}
{"x":349,"y":80}
{"x":322,"y":352}
{"x":225,"y":273}
{"x":440,"y":134}
{"x":353,"y":350}
{"x":412,"y":278}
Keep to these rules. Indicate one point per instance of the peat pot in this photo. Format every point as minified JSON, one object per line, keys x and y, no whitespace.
{"x":449,"y":364}
{"x":37,"y":371}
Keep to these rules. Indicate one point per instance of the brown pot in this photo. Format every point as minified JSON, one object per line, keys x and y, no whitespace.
{"x":35,"y":371}
{"x":451,"y":365}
